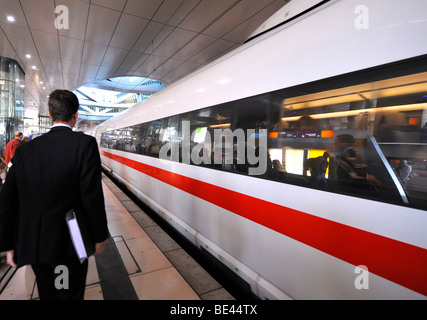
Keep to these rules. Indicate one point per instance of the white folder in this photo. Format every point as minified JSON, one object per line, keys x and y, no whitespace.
{"x":76,"y":235}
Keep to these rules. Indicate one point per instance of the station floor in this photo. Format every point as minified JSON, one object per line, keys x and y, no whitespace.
{"x":141,"y":262}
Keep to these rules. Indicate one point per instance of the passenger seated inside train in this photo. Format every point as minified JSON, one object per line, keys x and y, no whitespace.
{"x":317,"y":167}
{"x":404,"y":171}
{"x":350,"y":169}
{"x":278,"y":171}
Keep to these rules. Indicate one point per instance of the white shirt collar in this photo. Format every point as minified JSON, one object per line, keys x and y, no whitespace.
{"x":61,"y":125}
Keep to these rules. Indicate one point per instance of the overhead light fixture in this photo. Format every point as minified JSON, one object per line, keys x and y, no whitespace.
{"x":349,"y":113}
{"x":34,"y":67}
{"x":28,"y":56}
{"x":222,"y":125}
{"x":10,"y":18}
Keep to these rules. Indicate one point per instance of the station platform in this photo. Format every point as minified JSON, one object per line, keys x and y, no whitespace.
{"x":141,"y":262}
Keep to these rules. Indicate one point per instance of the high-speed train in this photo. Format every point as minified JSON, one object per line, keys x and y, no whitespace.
{"x":298,"y":160}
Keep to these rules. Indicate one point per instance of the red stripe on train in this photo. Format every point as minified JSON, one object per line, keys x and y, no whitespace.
{"x":396,"y":261}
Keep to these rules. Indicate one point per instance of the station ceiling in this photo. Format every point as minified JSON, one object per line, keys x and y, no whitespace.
{"x":71,"y":43}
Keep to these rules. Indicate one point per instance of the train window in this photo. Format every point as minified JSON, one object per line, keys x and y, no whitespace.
{"x":207,"y":120}
{"x":367,"y":140}
{"x":108,"y":140}
{"x":139,"y":136}
{"x":220,"y":137}
{"x":199,"y":129}
{"x":121,"y":139}
{"x":169,"y":139}
{"x":256,"y":116}
{"x":130,"y":139}
{"x":153,"y":142}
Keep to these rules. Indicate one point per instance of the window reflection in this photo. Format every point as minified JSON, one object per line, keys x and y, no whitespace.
{"x":391,"y":113}
{"x":383,"y":125}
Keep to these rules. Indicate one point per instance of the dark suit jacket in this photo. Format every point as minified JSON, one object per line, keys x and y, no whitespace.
{"x":51,"y":174}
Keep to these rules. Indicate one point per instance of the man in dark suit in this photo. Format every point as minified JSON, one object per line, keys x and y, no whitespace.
{"x":58,"y":171}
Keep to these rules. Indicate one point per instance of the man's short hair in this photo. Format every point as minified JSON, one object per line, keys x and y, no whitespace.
{"x":63,"y":104}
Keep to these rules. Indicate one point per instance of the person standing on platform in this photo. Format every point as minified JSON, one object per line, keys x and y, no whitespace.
{"x":12,"y":146}
{"x":50,"y":175}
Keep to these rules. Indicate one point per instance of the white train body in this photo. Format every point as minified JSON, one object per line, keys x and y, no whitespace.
{"x":286,"y":240}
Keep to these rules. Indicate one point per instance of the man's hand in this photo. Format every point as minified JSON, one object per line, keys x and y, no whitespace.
{"x":9,"y":256}
{"x":100,"y":247}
